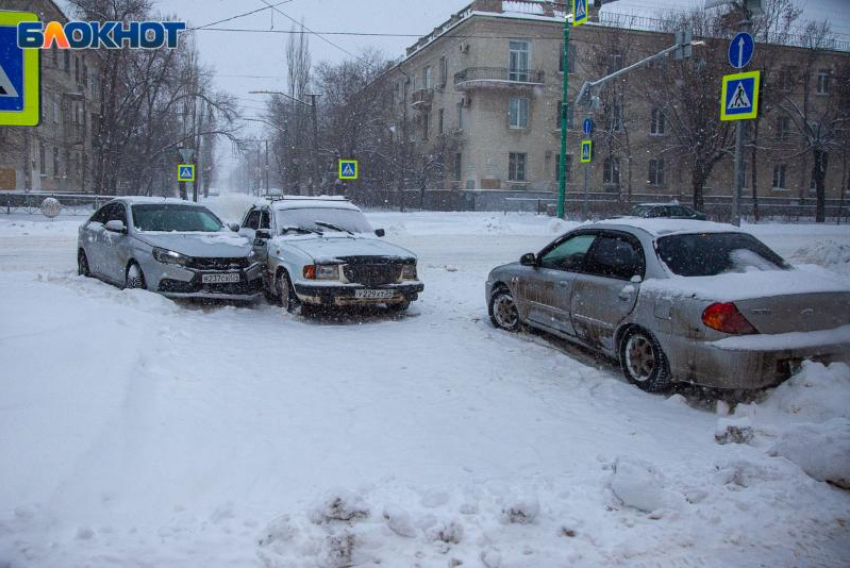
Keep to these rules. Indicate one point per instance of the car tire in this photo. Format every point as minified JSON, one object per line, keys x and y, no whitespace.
{"x":503,"y":311}
{"x":284,"y":294}
{"x":83,"y":264}
{"x":134,"y":277}
{"x":643,"y":361}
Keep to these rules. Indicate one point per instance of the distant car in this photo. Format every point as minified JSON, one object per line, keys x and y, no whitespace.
{"x":174,"y":247}
{"x":676,"y":301}
{"x":324,"y":252}
{"x":669,"y":210}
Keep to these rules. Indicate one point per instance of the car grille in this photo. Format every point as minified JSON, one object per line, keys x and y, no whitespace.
{"x":218,"y":263}
{"x":373,"y":274}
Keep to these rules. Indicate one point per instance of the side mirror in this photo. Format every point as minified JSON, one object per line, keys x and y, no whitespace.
{"x":116,"y":227}
{"x":528,"y":259}
{"x":262,"y":234}
{"x":380,"y":232}
{"x":636,"y":279}
{"x":233,"y":227}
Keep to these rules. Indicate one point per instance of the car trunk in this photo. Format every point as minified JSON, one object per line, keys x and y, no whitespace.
{"x":797,"y":312}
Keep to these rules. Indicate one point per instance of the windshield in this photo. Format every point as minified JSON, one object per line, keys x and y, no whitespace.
{"x":640,"y":210}
{"x":174,"y":218}
{"x":715,"y":253}
{"x":307,"y":218}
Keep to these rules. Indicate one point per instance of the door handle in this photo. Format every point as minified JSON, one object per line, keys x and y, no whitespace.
{"x":563,"y":284}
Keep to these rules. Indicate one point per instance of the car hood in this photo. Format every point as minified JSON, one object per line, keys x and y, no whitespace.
{"x":200,"y":245}
{"x":330,"y":248}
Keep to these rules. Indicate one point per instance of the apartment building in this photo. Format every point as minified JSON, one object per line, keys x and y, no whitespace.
{"x":57,"y":154}
{"x":483,"y":91}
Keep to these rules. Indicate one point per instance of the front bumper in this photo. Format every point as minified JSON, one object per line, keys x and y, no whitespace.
{"x":187,"y":283}
{"x":334,"y":294}
{"x":758,"y":361}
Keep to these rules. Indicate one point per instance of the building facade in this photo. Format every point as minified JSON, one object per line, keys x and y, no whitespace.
{"x":57,"y":154}
{"x":483,"y":93}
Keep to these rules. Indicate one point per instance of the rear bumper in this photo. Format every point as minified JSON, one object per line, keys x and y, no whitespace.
{"x":757,"y":361}
{"x":345,"y":295}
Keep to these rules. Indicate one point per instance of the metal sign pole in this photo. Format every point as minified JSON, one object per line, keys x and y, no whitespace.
{"x":565,"y":107}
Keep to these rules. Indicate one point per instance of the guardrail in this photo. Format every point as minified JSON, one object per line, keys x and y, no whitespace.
{"x":30,"y":202}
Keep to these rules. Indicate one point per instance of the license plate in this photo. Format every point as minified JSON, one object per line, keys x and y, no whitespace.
{"x":220,"y":278}
{"x":373,"y":294}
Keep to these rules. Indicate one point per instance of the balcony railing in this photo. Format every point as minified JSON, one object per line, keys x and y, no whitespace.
{"x":496,"y":77}
{"x":422,"y":98}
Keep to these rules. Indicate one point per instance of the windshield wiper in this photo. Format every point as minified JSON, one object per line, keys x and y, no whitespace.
{"x":332,"y":227}
{"x":301,"y":230}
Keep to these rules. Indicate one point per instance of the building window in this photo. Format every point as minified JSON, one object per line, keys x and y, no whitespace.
{"x":56,"y":112}
{"x":783,"y":128}
{"x":441,"y":115}
{"x":614,"y":115}
{"x":77,"y":77}
{"x":42,"y":159}
{"x":572,"y":56}
{"x":426,"y":78}
{"x":519,"y":113}
{"x":85,"y":75}
{"x":426,"y":125}
{"x":569,"y":115}
{"x":611,"y":171}
{"x":516,"y":166}
{"x":779,"y":176}
{"x":444,"y":72}
{"x":824,"y":81}
{"x":520,"y":55}
{"x":568,"y":169}
{"x":787,"y":78}
{"x":54,"y":51}
{"x":67,"y":62}
{"x":460,"y":116}
{"x":656,"y":172}
{"x":458,"y":166}
{"x":658,"y":127}
{"x":615,"y":62}
{"x":55,"y":162}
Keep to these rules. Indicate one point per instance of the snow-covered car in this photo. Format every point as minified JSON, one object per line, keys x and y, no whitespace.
{"x":672,"y":210}
{"x":324,"y":252}
{"x":677,"y":301}
{"x":174,"y":247}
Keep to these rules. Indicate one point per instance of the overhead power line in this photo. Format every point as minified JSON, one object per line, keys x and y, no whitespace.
{"x":236,"y":17}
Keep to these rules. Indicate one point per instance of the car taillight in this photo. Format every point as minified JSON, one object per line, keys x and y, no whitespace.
{"x":725,"y":317}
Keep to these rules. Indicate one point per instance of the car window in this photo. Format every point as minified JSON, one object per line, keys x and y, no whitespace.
{"x":100,"y":215}
{"x":679,"y":211}
{"x":657,"y":212}
{"x":117,"y":212}
{"x":175,"y":218}
{"x":569,"y":254}
{"x":264,"y":219}
{"x":252,"y":221}
{"x":715,"y":253}
{"x":615,"y":256}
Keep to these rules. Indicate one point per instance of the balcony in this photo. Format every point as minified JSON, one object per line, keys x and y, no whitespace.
{"x":498,"y":78}
{"x":421,"y":99}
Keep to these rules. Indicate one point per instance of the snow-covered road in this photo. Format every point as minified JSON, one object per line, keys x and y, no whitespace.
{"x":139,"y":432}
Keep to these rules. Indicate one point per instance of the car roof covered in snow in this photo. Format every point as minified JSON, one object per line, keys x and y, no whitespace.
{"x":141,"y":200}
{"x":662,"y":227}
{"x":321,"y":202}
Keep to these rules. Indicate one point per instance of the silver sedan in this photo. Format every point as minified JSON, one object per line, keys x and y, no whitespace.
{"x":676,"y":301}
{"x":176,"y":248}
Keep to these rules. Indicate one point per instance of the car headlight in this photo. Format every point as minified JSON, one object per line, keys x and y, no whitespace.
{"x":170,"y":257}
{"x":252,"y":256}
{"x":408,"y":272}
{"x":321,"y":272}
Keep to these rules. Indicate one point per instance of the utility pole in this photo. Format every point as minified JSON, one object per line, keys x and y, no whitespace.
{"x":268,"y":189}
{"x":565,"y":106}
{"x":745,"y":26}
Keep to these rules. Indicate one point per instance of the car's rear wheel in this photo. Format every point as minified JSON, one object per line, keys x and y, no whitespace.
{"x":135,"y":278}
{"x":503,"y":310}
{"x":83,"y":264}
{"x":643,"y":361}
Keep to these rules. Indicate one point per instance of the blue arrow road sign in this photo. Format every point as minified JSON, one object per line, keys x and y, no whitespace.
{"x":741,"y":50}
{"x":587,"y":126}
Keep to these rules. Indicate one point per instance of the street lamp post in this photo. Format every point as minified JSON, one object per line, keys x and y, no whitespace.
{"x":313,"y":104}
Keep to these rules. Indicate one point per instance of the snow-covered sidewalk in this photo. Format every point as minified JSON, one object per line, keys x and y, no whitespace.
{"x":139,"y":432}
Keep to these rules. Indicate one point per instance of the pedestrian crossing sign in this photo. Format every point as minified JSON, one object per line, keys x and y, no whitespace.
{"x":186,"y":172}
{"x":348,"y":169}
{"x":740,"y":98}
{"x":580,"y":12}
{"x":586,"y":151}
{"x":20,"y":78}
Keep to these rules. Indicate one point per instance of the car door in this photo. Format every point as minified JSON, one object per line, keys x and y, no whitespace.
{"x":251,"y":223}
{"x":605,"y":292}
{"x":546,"y":291}
{"x":114,"y":245}
{"x":93,"y":241}
{"x":261,"y":247}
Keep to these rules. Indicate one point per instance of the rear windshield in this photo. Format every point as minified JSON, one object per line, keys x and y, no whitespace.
{"x":715,"y":253}
{"x":174,"y":218}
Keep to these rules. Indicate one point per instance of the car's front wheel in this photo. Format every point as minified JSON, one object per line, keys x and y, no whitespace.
{"x":643,"y":361}
{"x":285,"y":294}
{"x":135,"y":278}
{"x":503,"y":310}
{"x":83,"y":264}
